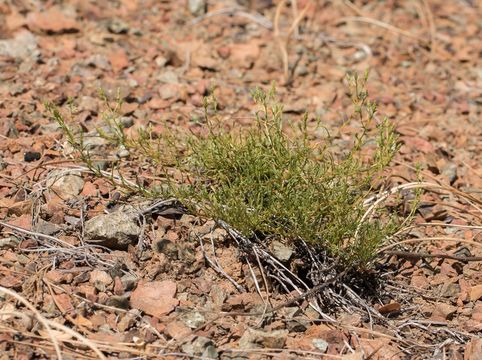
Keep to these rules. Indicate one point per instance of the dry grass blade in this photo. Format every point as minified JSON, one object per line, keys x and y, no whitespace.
{"x":49,"y":324}
{"x":431,"y":24}
{"x":380,"y":198}
{"x":79,"y":337}
{"x":429,"y":239}
{"x":216,"y":267}
{"x":418,"y":256}
{"x":64,"y":247}
{"x":475,"y":227}
{"x":472,"y":200}
{"x":281,"y":44}
{"x":46,"y":324}
{"x":36,"y":234}
{"x":279,"y":352}
{"x":383,"y":25}
{"x":232,"y":11}
{"x":297,"y":19}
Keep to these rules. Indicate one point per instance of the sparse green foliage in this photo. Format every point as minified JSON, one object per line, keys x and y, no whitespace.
{"x":266,"y":183}
{"x":273,"y":181}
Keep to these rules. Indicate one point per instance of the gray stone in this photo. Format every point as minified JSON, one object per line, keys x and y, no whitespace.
{"x":128,"y":282}
{"x":168,"y":77}
{"x":65,"y":185}
{"x":168,"y":248}
{"x":100,"y":279}
{"x":193,"y":319}
{"x":10,"y":242}
{"x":126,"y":121}
{"x":119,"y":301}
{"x":200,"y":346}
{"x":89,"y":103}
{"x":117,"y":26}
{"x":17,"y":89}
{"x":116,"y":230}
{"x":98,"y":61}
{"x":281,"y":251}
{"x":360,"y":55}
{"x":253,"y":338}
{"x":22,"y":46}
{"x":161,"y":61}
{"x":320,"y":344}
{"x":301,"y":70}
{"x":3,"y":164}
{"x":94,"y":142}
{"x":46,"y":228}
{"x":197,"y":7}
{"x":123,"y":152}
{"x":449,"y":171}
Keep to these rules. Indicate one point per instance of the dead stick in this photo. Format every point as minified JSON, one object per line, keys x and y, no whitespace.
{"x":418,"y":256}
{"x":313,"y":291}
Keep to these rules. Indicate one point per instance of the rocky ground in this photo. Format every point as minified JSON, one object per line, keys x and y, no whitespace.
{"x":188,"y":294}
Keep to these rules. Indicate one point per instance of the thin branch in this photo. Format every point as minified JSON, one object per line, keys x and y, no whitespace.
{"x":255,"y":17}
{"x":417,"y":256}
{"x":383,"y":25}
{"x":46,"y":323}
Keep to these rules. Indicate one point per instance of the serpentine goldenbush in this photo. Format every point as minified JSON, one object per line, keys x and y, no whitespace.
{"x":273,"y":180}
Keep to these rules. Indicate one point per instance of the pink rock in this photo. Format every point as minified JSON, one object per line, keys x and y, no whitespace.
{"x":475,"y":292}
{"x":244,"y":55}
{"x":177,"y":330}
{"x":119,"y":60}
{"x":52,"y":21}
{"x":89,"y":189}
{"x":155,"y":298}
{"x":23,"y":221}
{"x":415,"y":142}
{"x":473,"y":347}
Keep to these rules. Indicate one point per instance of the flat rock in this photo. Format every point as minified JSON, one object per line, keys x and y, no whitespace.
{"x":155,"y":298}
{"x":22,"y":46}
{"x":200,"y":347}
{"x":118,"y":26}
{"x":197,"y":7}
{"x":52,"y":21}
{"x":100,"y":279}
{"x":253,"y":338}
{"x":281,"y":251}
{"x":472,"y":348}
{"x":46,"y":228}
{"x":116,"y":230}
{"x":320,"y":344}
{"x":65,"y":185}
{"x":475,"y":292}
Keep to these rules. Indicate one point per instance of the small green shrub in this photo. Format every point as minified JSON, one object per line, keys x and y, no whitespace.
{"x":274,"y":181}
{"x":267,"y":183}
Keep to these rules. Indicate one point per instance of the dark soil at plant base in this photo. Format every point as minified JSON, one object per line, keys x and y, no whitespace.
{"x":161,"y":59}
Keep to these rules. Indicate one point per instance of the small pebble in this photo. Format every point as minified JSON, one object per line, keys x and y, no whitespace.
{"x":30,"y":156}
